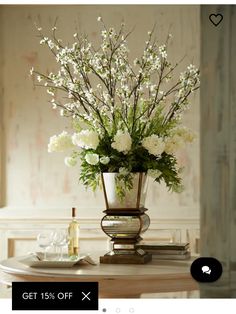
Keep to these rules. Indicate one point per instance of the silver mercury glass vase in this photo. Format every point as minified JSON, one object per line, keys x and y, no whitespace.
{"x":125,"y":220}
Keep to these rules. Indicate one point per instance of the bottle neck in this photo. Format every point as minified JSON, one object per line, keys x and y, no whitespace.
{"x":73,"y":213}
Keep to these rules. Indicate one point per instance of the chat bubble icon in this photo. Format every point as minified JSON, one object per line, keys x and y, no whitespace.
{"x":206,"y":270}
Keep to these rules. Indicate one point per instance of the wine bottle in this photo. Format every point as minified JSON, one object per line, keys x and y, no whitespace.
{"x":73,"y":236}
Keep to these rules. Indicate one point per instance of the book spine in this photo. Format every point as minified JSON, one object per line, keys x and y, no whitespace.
{"x":166,"y":252}
{"x":162,"y":248}
{"x":174,"y":257}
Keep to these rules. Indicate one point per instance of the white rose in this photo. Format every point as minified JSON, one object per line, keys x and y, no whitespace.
{"x":122,"y":142}
{"x":70,"y":161}
{"x":173,"y":144}
{"x":86,"y":139}
{"x":104,"y":160}
{"x":153,"y":144}
{"x":92,"y":159}
{"x":60,"y":143}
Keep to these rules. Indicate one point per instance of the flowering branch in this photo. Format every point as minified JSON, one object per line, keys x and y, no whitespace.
{"x":125,"y":117}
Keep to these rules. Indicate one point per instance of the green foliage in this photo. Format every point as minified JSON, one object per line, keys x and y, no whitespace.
{"x":123,"y":183}
{"x":169,"y":173}
{"x":89,"y":175}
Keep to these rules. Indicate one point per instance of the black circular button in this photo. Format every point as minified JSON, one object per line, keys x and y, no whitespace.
{"x":206,"y":269}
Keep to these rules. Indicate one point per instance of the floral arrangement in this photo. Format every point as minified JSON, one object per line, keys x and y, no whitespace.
{"x":125,"y":115}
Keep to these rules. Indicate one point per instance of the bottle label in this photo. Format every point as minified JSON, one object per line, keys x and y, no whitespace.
{"x":74,"y":233}
{"x":73,"y":246}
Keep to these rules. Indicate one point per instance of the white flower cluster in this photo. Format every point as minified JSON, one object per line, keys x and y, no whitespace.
{"x":86,"y":139}
{"x":173,"y":144}
{"x":90,"y":158}
{"x":178,"y":138}
{"x":190,"y":77}
{"x":60,"y":143}
{"x":104,"y":91}
{"x":122,"y":142}
{"x":187,"y":135}
{"x":162,"y":51}
{"x":154,"y":144}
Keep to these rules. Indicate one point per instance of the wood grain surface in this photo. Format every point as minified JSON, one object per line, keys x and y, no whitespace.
{"x":218,"y":146}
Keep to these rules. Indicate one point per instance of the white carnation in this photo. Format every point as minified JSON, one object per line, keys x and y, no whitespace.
{"x":173,"y":144}
{"x":153,"y":144}
{"x":70,"y":161}
{"x":92,"y":159}
{"x":86,"y":139}
{"x":104,"y":160}
{"x":122,"y":142}
{"x":60,"y":143}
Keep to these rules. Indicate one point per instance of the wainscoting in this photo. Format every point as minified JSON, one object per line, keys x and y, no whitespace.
{"x":18,"y":232}
{"x":18,"y":236}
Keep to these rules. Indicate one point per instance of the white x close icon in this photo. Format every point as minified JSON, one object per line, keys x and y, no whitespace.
{"x":86,"y":296}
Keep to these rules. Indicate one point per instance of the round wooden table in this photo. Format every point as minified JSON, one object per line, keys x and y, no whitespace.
{"x":115,"y":281}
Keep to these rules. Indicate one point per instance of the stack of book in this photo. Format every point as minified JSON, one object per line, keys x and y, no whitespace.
{"x":179,"y":251}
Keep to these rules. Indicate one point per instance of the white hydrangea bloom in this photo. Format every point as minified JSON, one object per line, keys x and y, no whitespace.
{"x":178,"y":137}
{"x":154,"y":144}
{"x":92,"y":159}
{"x":187,"y":135}
{"x":86,"y":139}
{"x":70,"y":161}
{"x":60,"y":143}
{"x":104,"y":160}
{"x":122,"y":142}
{"x":173,"y":144}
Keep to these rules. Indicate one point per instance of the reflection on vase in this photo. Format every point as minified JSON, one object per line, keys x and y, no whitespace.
{"x":134,"y":198}
{"x":125,"y":220}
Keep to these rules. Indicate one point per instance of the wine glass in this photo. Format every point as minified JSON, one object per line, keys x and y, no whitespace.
{"x":63,"y":243}
{"x":60,"y":240}
{"x":44,"y":240}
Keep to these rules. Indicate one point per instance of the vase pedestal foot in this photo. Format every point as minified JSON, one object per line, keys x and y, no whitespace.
{"x":124,"y":227}
{"x":135,"y":258}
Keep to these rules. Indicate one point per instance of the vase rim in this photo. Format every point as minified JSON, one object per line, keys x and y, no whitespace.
{"x":128,"y":172}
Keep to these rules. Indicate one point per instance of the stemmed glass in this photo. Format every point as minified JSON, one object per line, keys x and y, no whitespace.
{"x":64,"y":243}
{"x":60,"y":240}
{"x":44,"y":240}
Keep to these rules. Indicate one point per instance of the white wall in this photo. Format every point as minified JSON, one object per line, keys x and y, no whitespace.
{"x":36,"y":180}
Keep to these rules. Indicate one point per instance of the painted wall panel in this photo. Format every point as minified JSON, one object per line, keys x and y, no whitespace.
{"x":36,"y":179}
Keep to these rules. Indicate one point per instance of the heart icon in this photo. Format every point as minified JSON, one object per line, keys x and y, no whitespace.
{"x":216,"y":18}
